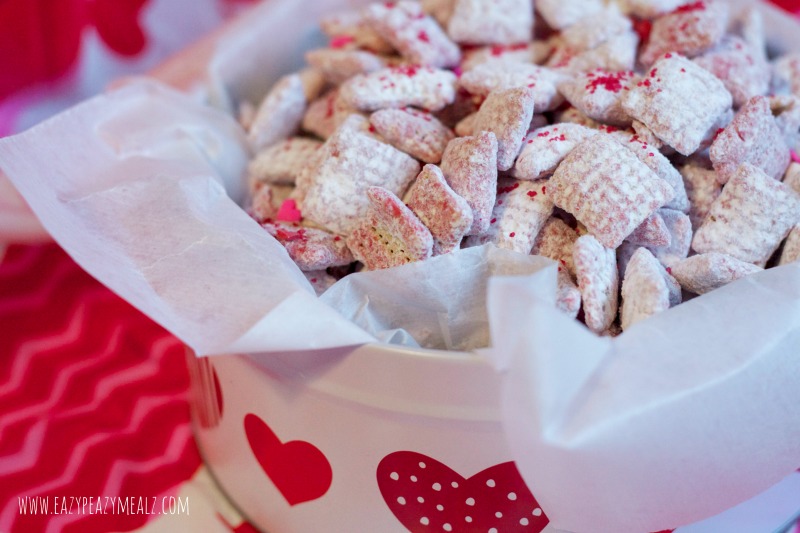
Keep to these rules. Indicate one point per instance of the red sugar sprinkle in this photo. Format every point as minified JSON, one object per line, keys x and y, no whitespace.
{"x":408,"y":70}
{"x":611,"y":82}
{"x":288,"y":211}
{"x":512,"y":234}
{"x":337,"y":238}
{"x":422,"y":36}
{"x":341,"y":41}
{"x":493,"y":221}
{"x":390,"y":5}
{"x":669,"y":271}
{"x":694,"y":6}
{"x":651,"y":154}
{"x":313,"y":280}
{"x":543,"y":134}
{"x":653,"y":73}
{"x":795,"y":157}
{"x":544,"y":190}
{"x":683,"y":70}
{"x":532,"y":193}
{"x":561,"y":137}
{"x":642,"y":27}
{"x":667,"y":55}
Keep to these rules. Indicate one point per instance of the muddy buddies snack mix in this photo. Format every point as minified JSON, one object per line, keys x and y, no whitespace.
{"x":645,"y":163}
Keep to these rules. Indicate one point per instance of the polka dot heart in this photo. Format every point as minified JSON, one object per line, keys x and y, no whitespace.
{"x":426,"y":495}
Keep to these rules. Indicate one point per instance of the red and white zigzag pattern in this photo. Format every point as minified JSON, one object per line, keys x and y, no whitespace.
{"x":93,"y":396}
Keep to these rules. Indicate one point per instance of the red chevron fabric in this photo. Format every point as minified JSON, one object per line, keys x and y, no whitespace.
{"x":93,"y":397}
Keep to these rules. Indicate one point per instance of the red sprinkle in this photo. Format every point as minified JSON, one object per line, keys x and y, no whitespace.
{"x":288,"y":212}
{"x":532,"y":193}
{"x":313,"y":280}
{"x":643,"y":28}
{"x":408,"y":70}
{"x":694,"y":6}
{"x":512,"y":234}
{"x":795,"y":157}
{"x":422,"y":36}
{"x":341,"y":40}
{"x":544,"y":190}
{"x":611,"y":82}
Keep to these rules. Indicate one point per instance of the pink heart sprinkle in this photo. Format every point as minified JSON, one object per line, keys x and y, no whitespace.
{"x":288,"y":212}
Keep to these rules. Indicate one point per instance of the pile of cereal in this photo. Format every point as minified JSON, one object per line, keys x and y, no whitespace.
{"x":647,"y":146}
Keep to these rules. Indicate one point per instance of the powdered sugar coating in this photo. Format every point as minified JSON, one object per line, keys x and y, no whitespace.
{"x":282,"y":162}
{"x":679,"y":101}
{"x":750,"y":218}
{"x":689,"y":30}
{"x":562,"y":13}
{"x":644,"y":289}
{"x":417,"y":36}
{"x":267,"y":200}
{"x":786,"y":74}
{"x":389,"y":234}
{"x":590,"y":32}
{"x":792,"y":176}
{"x":616,"y":54}
{"x":556,"y":240}
{"x":544,"y":148}
{"x":703,"y":273}
{"x":310,"y":248}
{"x":647,"y":136}
{"x":702,"y":188}
{"x":680,"y":229}
{"x":469,"y":165}
{"x":498,"y":22}
{"x":339,"y":65}
{"x":506,"y":113}
{"x":648,"y":9}
{"x":325,"y":114}
{"x":424,"y":87}
{"x":661,"y":166}
{"x":521,"y":52}
{"x":520,"y":212}
{"x":751,"y":137}
{"x":447,"y":215}
{"x":743,"y":72}
{"x":652,"y":232}
{"x":791,"y":248}
{"x":786,"y":110}
{"x":500,"y":75}
{"x":466,"y":126}
{"x":415,"y":132}
{"x":351,"y":162}
{"x":598,"y":281}
{"x":279,"y":114}
{"x":350,"y":28}
{"x":607,"y":189}
{"x":597,"y":95}
{"x":568,"y":296}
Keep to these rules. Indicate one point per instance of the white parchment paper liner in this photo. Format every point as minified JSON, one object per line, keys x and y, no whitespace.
{"x":682,"y":416}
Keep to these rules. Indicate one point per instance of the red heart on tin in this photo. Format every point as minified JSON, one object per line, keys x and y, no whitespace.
{"x":298,"y":469}
{"x":426,"y":495}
